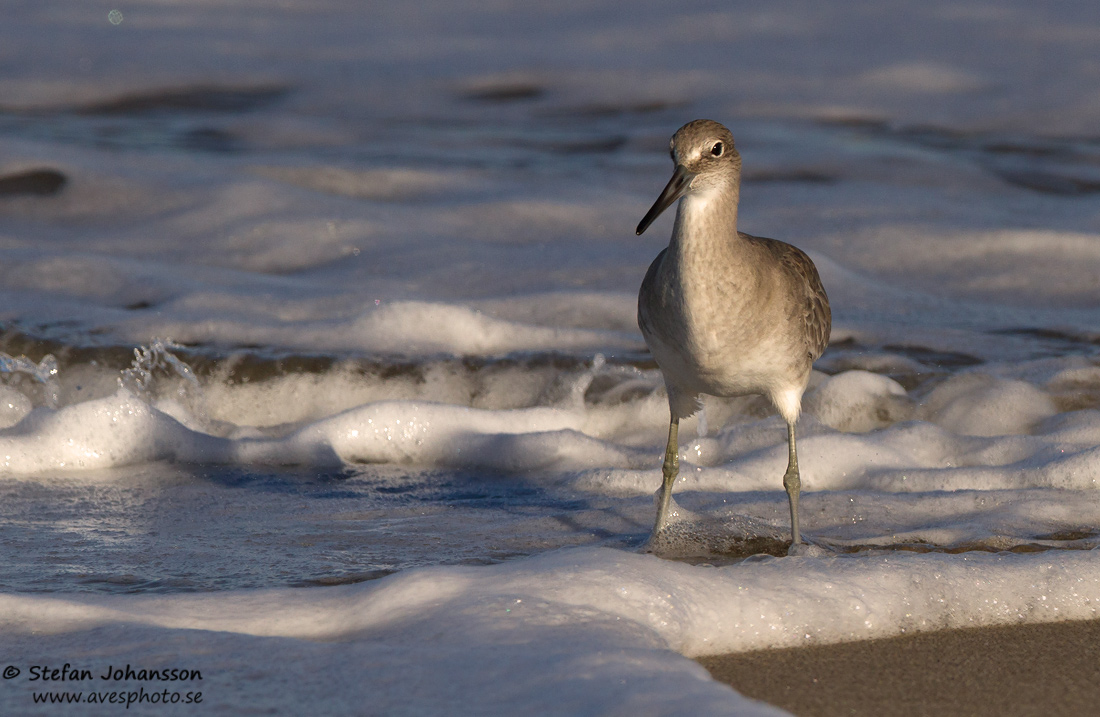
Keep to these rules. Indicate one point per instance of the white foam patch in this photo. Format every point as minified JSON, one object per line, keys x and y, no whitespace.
{"x":464,"y":331}
{"x":409,"y":328}
{"x":122,"y":429}
{"x":603,"y":615}
{"x":377,"y":184}
{"x":1023,"y":447}
{"x":14,"y":406}
{"x":925,"y":78}
{"x":119,"y":430}
{"x":972,"y":404}
{"x":831,"y":599}
{"x":858,"y":401}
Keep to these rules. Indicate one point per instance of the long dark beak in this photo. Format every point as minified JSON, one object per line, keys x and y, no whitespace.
{"x":672,"y":191}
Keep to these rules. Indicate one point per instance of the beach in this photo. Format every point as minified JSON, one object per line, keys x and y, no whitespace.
{"x":1049,"y":669}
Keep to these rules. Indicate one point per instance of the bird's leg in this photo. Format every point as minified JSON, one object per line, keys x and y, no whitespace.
{"x":670,"y":468}
{"x":793,"y":484}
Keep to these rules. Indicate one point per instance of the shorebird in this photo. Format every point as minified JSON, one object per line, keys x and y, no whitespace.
{"x":726,"y":313}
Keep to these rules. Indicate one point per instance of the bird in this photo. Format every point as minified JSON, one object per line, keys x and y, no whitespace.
{"x":726,"y":313}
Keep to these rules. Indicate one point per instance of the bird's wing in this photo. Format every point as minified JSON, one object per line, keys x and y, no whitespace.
{"x":646,"y":294}
{"x":817,"y":318}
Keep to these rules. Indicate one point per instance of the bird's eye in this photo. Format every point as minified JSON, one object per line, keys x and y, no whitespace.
{"x":716,"y":150}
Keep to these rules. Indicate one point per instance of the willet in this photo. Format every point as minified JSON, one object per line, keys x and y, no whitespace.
{"x":726,"y":313}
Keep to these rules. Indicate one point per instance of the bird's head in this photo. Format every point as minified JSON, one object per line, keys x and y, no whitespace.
{"x":705,"y":159}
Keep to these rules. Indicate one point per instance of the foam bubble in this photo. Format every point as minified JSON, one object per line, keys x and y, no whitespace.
{"x":14,"y":406}
{"x":975,"y":404}
{"x":858,"y":401}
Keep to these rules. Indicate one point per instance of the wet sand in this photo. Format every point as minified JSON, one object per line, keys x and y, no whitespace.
{"x":1047,"y":669}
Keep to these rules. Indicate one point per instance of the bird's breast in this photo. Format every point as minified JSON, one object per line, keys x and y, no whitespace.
{"x":714,"y":325}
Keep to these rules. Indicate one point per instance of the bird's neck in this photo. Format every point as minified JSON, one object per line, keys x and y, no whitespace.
{"x":706,"y":222}
{"x":706,"y":249}
{"x":712,"y":269}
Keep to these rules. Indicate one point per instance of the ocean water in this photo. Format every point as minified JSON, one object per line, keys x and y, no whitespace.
{"x":320,"y":372}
